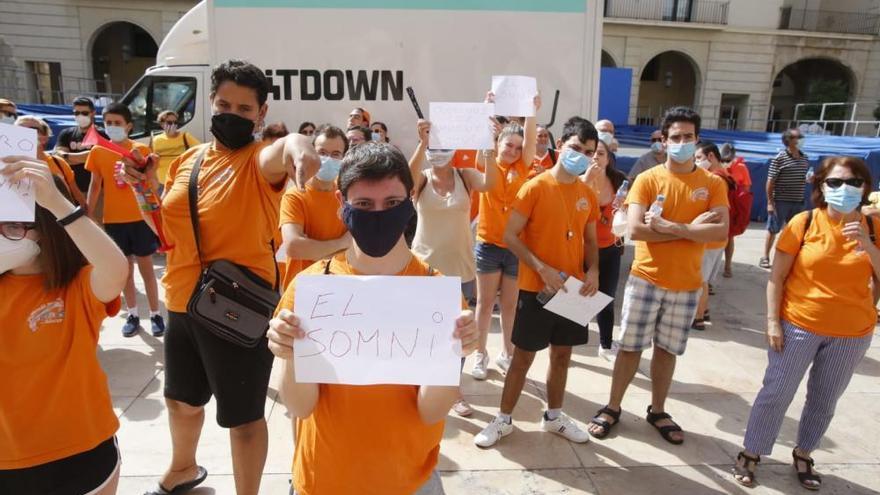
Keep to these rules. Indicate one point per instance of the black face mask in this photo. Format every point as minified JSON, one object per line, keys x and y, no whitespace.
{"x":232,"y":131}
{"x":377,"y":232}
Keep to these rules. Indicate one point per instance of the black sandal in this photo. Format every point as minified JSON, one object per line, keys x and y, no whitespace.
{"x":741,"y":472}
{"x":201,"y":474}
{"x":806,"y":477}
{"x":605,"y":425}
{"x":665,"y":431}
{"x":699,"y":324}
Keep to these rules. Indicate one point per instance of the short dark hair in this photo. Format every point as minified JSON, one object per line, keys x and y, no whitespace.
{"x":709,"y":147}
{"x":84,"y":101}
{"x":120,"y":109}
{"x":855,"y":165}
{"x":305,"y":124}
{"x":363,"y":130}
{"x":580,"y":127}
{"x":241,"y":73}
{"x":373,"y":162}
{"x":680,"y":114}
{"x":275,"y":131}
{"x":788,"y":134}
{"x":331,"y":132}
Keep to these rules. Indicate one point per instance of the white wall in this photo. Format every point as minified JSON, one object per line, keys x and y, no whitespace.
{"x":754,"y":13}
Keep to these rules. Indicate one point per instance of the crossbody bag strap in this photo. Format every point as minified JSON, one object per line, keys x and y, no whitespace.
{"x":193,"y":194}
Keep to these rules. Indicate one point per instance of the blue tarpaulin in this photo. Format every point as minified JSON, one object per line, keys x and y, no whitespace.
{"x":758,"y":148}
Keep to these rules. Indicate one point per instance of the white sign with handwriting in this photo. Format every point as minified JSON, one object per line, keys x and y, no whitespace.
{"x":461,"y":126}
{"x":17,"y":198}
{"x":378,"y":330}
{"x":515,"y":95}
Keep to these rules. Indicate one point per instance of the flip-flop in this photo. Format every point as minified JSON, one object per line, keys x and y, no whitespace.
{"x":201,"y":474}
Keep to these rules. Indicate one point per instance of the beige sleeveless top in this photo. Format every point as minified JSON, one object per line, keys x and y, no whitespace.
{"x":443,"y":234}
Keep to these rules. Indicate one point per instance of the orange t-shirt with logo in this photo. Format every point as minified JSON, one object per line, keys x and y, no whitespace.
{"x":364,"y":439}
{"x":675,"y":265}
{"x":557,"y":215}
{"x":238,"y":217}
{"x":828,"y":289}
{"x":465,"y":159}
{"x":54,"y":397}
{"x":318,"y":214}
{"x":496,"y":203}
{"x":120,"y":205}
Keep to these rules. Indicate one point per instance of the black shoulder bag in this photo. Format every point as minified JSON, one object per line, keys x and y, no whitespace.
{"x":230,"y":301}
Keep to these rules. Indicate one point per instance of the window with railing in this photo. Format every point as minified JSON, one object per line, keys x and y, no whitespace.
{"x":694,"y":11}
{"x":827,"y":21}
{"x":45,"y":82}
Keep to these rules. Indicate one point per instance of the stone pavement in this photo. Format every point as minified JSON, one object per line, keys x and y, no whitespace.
{"x":715,"y":384}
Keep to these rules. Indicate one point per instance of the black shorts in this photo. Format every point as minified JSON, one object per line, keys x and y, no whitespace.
{"x":535,"y":328}
{"x":134,"y":239}
{"x":74,"y":475}
{"x":199,"y":364}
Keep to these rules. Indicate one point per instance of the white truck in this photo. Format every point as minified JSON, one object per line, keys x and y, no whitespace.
{"x":325,"y":57}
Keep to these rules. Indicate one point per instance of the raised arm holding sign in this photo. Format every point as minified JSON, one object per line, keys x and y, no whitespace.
{"x":514,"y":95}
{"x":17,"y":203}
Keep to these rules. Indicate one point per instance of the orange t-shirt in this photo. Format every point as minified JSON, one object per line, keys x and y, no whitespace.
{"x":61,"y":169}
{"x":120,"y":205}
{"x":318,"y":214}
{"x":496,"y":203}
{"x":557,"y":215}
{"x":603,"y":227}
{"x":545,"y":163}
{"x":740,"y":173}
{"x":238,"y":217}
{"x":828,"y":290}
{"x":54,"y":397}
{"x":364,"y":439}
{"x":675,"y":265}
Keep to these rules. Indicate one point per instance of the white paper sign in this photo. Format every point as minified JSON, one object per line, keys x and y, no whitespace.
{"x":515,"y":95}
{"x":576,"y":307}
{"x":378,"y":330}
{"x":463,"y":126}
{"x":17,"y":198}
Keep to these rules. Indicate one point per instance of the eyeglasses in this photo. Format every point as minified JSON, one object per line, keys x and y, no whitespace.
{"x":82,"y":112}
{"x":15,"y":231}
{"x":834,"y":183}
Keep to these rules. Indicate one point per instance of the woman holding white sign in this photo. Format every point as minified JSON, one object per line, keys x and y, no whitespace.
{"x":60,"y":276}
{"x":371,"y":438}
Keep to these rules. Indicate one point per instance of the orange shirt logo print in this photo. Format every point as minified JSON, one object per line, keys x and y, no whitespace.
{"x":701,"y":194}
{"x":47,"y":314}
{"x":222,"y":177}
{"x":583,"y":204}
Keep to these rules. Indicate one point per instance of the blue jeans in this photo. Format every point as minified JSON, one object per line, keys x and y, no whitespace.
{"x":494,"y":259}
{"x":785,"y":211}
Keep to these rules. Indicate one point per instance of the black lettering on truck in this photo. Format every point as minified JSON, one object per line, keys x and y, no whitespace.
{"x":336,"y":84}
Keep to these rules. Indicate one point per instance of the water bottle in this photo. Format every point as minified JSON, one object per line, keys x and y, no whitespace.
{"x":547,"y":293}
{"x":117,"y":169}
{"x":810,"y":175}
{"x":620,"y":197}
{"x":657,"y":207}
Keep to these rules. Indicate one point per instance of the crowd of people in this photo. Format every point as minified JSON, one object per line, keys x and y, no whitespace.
{"x":514,"y":223}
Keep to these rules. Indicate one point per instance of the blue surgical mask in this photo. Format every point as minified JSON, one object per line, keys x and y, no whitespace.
{"x":329,"y":170}
{"x":376,"y":137}
{"x":681,"y":152}
{"x":606,"y":137}
{"x":116,"y":134}
{"x":844,"y":199}
{"x":657,"y":147}
{"x":573,"y":162}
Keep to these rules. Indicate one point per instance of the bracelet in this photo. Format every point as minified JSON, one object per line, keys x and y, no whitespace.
{"x":73,"y":216}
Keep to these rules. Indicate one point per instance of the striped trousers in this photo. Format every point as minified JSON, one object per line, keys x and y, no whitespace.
{"x":833,"y":359}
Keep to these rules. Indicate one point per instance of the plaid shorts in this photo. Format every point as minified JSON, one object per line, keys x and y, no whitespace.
{"x":651,"y":313}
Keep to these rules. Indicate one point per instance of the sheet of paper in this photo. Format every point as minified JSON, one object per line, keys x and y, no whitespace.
{"x":576,"y":307}
{"x":514,"y":95}
{"x":461,"y":126}
{"x":17,"y":198}
{"x":378,"y":330}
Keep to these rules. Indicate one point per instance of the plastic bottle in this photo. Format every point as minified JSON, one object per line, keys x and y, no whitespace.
{"x":810,"y":174}
{"x":620,"y":197}
{"x":547,"y":293}
{"x":117,"y":168}
{"x":657,"y":207}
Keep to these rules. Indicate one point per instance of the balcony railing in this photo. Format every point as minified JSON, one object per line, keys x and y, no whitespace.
{"x":829,"y":22}
{"x":695,"y":11}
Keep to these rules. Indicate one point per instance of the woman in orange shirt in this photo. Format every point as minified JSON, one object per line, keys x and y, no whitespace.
{"x":605,"y":180}
{"x":60,"y":276}
{"x":497,"y":266}
{"x":820,"y":310}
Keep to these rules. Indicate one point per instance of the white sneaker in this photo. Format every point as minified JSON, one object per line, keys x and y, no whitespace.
{"x":480,"y":371}
{"x":493,"y":432}
{"x":503,"y":362}
{"x":609,"y":355}
{"x":565,"y":427}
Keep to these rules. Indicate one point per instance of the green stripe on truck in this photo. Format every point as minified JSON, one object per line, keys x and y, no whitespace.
{"x":502,"y":5}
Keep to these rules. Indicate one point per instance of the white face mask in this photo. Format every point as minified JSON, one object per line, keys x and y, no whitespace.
{"x":439,"y":158}
{"x":14,"y":254}
{"x":7,"y":119}
{"x":704,"y":163}
{"x":83,"y":121}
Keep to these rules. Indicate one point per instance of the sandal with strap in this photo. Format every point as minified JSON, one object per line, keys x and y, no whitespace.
{"x":605,"y":425}
{"x":201,"y":474}
{"x":746,"y":469}
{"x":808,"y":479}
{"x":665,"y":431}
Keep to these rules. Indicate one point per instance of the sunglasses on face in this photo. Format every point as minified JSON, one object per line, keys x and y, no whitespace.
{"x":656,"y":140}
{"x":86,"y":113}
{"x":835,"y":183}
{"x":15,"y":231}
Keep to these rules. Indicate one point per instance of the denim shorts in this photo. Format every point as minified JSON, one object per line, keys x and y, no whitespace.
{"x":785,"y":211}
{"x":494,"y":259}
